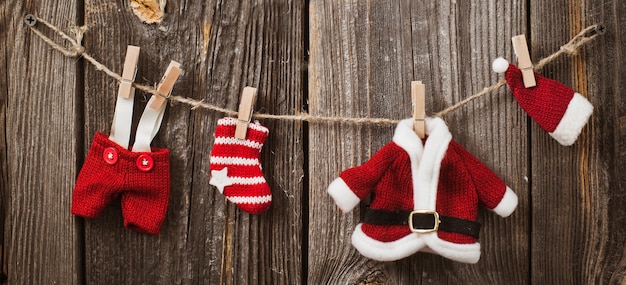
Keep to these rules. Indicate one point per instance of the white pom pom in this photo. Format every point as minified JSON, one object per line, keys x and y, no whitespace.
{"x":500,"y":65}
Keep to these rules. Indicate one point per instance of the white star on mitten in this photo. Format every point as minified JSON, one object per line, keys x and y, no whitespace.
{"x":220,"y":179}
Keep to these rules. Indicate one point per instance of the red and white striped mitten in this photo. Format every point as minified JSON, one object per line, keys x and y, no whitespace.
{"x":236,"y":166}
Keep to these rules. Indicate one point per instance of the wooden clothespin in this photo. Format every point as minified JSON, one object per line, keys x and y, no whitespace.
{"x":244,"y":115}
{"x":129,"y":72}
{"x":418,"y":97}
{"x":520,"y":47}
{"x":164,"y":89}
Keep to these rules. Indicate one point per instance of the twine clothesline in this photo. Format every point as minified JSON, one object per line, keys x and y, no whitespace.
{"x":76,"y":50}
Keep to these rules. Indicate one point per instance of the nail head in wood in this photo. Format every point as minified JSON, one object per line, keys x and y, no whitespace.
{"x":30,"y":20}
{"x":600,"y":29}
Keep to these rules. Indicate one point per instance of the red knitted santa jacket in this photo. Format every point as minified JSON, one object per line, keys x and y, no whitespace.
{"x":437,"y":175}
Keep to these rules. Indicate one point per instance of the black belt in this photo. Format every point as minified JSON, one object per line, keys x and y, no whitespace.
{"x":422,"y":221}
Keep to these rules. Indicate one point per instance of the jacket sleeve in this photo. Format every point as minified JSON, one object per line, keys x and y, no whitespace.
{"x":492,"y":191}
{"x":354,"y":184}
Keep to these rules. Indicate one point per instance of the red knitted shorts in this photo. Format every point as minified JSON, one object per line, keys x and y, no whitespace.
{"x":141,"y":178}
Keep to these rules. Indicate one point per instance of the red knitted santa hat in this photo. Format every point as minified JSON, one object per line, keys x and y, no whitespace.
{"x":555,"y":107}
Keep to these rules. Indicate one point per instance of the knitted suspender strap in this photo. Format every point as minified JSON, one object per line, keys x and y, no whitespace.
{"x":148,"y":127}
{"x":122,"y":119}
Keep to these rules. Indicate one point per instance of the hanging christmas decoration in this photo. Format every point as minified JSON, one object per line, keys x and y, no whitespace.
{"x":425,"y":196}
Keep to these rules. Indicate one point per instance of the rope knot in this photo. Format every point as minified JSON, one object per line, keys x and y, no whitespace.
{"x":78,"y":50}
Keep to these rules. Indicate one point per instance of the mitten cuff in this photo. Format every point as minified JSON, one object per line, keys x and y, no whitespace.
{"x":255,"y":136}
{"x":578,"y":112}
{"x":508,"y":203}
{"x":345,"y":199}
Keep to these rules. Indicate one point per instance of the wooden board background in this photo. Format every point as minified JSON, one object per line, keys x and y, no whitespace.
{"x":374,"y":61}
{"x":332,"y":58}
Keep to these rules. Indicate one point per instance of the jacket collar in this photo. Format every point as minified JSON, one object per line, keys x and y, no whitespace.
{"x":438,"y":136}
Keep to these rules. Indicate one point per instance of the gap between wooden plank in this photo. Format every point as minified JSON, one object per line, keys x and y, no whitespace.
{"x":79,"y":115}
{"x":304,"y":249}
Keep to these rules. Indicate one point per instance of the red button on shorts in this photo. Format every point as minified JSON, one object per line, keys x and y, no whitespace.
{"x":110,"y":155}
{"x":144,"y":163}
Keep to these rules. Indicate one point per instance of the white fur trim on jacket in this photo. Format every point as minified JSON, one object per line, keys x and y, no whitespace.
{"x":345,"y":199}
{"x":386,"y":251}
{"x":410,"y":244}
{"x":578,"y":112}
{"x":507,"y":205}
{"x":427,"y":157}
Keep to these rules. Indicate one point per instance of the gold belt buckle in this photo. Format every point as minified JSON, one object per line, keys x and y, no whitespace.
{"x":424,"y":212}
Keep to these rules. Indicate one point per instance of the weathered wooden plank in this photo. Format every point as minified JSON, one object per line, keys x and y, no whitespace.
{"x":223,"y":46}
{"x":363,"y":56}
{"x":578,"y":214}
{"x":41,"y":238}
{"x":4,"y":174}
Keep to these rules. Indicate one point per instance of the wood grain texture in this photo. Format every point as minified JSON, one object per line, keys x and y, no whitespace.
{"x":578,"y":214}
{"x":40,"y":235}
{"x":4,"y":172}
{"x":569,"y":227}
{"x":222,"y":46}
{"x":363,"y":56}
